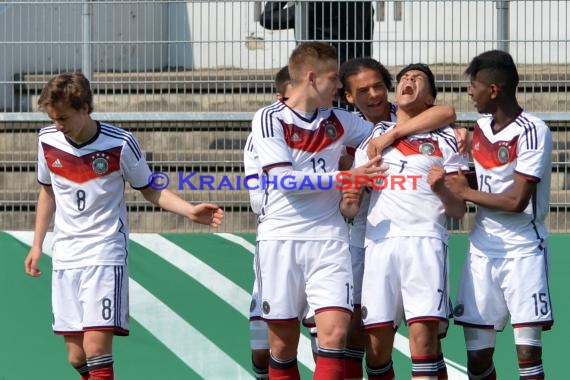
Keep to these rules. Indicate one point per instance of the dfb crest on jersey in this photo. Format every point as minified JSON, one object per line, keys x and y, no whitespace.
{"x":100,"y":165}
{"x":427,"y":148}
{"x":503,"y":154}
{"x":265,"y":307}
{"x":330,"y":130}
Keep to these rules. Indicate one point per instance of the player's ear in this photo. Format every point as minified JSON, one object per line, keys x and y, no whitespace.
{"x":493,"y":91}
{"x":348,"y":96}
{"x":311,"y":76}
{"x":430,"y":100}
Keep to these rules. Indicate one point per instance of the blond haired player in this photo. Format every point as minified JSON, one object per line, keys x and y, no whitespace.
{"x":303,"y":256}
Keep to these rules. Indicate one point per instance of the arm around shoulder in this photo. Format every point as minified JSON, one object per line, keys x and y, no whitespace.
{"x":433,"y":118}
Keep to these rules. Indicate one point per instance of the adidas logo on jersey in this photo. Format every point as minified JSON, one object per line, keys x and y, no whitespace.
{"x":57,"y":164}
{"x":295,"y":137}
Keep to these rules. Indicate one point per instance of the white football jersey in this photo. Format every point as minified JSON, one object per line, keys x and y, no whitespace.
{"x":88,"y":181}
{"x":307,"y":144}
{"x":406,"y":205}
{"x":357,"y":227}
{"x":524,"y":148}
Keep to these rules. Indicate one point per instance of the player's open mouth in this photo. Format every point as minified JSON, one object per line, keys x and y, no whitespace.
{"x":408,"y":90}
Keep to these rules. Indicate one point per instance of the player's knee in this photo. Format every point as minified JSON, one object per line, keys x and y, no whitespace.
{"x":76,"y":359}
{"x":528,"y":341}
{"x":260,"y":358}
{"x":94,"y":349}
{"x":333,"y":337}
{"x":423,"y":338}
{"x":529,"y":353}
{"x":479,"y":360}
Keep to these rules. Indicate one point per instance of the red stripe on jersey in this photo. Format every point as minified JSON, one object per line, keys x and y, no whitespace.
{"x":80,"y":169}
{"x":429,"y":147}
{"x":328,"y":131}
{"x":491,"y":155}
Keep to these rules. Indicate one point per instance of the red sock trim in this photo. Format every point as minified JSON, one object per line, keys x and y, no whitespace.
{"x":105,"y":373}
{"x":329,"y":368}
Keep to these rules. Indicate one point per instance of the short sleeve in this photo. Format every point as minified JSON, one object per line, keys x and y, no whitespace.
{"x":133,"y":164}
{"x":453,"y":161}
{"x":44,"y":176}
{"x":269,"y":141}
{"x":250,"y":159}
{"x":534,"y":150}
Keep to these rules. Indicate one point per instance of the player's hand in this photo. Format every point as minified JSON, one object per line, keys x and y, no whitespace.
{"x":31,"y":262}
{"x":350,"y":202}
{"x":457,"y":183}
{"x":436,"y":178}
{"x":377,"y":145}
{"x":351,"y":195}
{"x":463,"y":140}
{"x":363,"y":175}
{"x":208,"y":214}
{"x":369,"y":170}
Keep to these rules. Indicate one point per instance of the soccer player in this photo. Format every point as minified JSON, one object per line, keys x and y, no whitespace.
{"x":82,"y":168}
{"x":366,"y":83}
{"x":506,"y":269}
{"x":303,"y":255}
{"x":405,"y":270}
{"x":259,"y":342}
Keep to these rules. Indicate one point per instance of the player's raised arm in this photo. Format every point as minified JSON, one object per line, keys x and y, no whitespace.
{"x":435,"y":117}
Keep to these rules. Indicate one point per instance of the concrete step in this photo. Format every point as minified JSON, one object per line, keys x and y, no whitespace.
{"x":234,"y":221}
{"x":164,"y":102}
{"x":223,"y":90}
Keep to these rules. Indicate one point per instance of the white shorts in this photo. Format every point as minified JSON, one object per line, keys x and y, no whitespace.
{"x":300,"y":275}
{"x":91,"y":298}
{"x":491,"y":289}
{"x":357,"y":259}
{"x":405,"y":276}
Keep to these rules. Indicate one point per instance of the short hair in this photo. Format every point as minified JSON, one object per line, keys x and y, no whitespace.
{"x":497,"y":67}
{"x":70,"y":88}
{"x":356,"y":65}
{"x":282,"y":79}
{"x":308,"y":55}
{"x":424,"y":69}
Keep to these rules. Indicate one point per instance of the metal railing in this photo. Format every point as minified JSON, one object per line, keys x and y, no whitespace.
{"x":186,"y":77}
